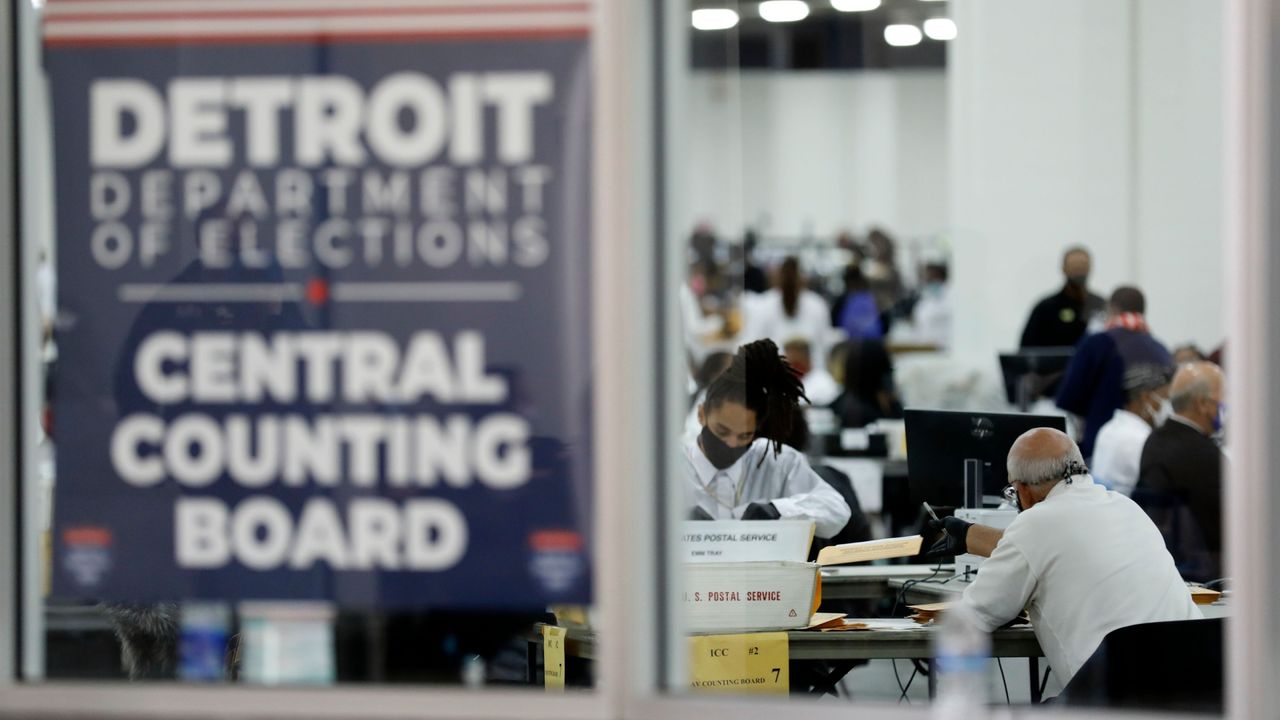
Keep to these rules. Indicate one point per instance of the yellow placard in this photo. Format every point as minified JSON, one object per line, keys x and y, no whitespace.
{"x":754,"y":663}
{"x":553,"y":658}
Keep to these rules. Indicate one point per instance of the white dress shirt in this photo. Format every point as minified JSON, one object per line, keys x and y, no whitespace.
{"x":1117,"y":451}
{"x":786,"y":480}
{"x":696,"y":326}
{"x":1083,"y":562}
{"x":820,"y":387}
{"x":931,"y":318}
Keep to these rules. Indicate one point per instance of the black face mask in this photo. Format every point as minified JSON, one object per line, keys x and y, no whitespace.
{"x":1078,"y":281}
{"x":718,"y":452}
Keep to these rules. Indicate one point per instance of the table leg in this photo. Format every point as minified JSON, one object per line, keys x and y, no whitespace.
{"x":531,"y":660}
{"x":933,"y":683}
{"x":1033,"y":669}
{"x":827,"y":683}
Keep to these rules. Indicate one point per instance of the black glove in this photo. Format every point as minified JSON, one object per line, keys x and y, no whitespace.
{"x":698,"y":513}
{"x":954,"y":532}
{"x":761,"y":511}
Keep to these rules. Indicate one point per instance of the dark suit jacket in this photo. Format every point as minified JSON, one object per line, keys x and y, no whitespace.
{"x":1180,"y":487}
{"x":1060,"y":320}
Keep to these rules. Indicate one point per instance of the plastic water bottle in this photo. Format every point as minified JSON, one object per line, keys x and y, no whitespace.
{"x":473,"y":672}
{"x":960,"y":654}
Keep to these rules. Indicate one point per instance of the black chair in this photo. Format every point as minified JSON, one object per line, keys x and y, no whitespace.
{"x":1182,"y":534}
{"x":1166,"y":666}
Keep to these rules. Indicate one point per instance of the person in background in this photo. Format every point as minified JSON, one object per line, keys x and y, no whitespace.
{"x":1180,"y":475}
{"x":1118,"y":447}
{"x":1061,"y":319}
{"x":931,"y":316}
{"x":855,"y":311}
{"x":702,"y":245}
{"x":699,"y":328}
{"x":1093,"y":385}
{"x":1188,"y":353}
{"x":881,"y":269}
{"x":753,"y":277}
{"x":739,"y":467}
{"x":789,"y":311}
{"x":819,"y":386}
{"x":868,"y":393}
{"x":714,"y":364}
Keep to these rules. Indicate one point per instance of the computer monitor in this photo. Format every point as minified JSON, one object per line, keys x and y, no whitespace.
{"x":1032,"y":372}
{"x":940,"y":441}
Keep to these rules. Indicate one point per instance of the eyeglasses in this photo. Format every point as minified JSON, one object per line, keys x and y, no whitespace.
{"x":1011,"y":493}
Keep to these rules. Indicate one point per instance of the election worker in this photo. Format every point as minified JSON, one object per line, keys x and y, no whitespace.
{"x":1118,"y":450}
{"x":1081,"y":559}
{"x":739,"y":467}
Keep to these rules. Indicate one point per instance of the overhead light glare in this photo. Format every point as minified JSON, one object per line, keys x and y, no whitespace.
{"x":902,"y":35}
{"x":714,"y":19}
{"x":855,"y":5}
{"x":781,"y":11}
{"x":940,"y":29}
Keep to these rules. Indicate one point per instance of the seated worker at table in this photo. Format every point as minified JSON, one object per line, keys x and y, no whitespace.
{"x":1081,"y":559}
{"x":738,"y":467}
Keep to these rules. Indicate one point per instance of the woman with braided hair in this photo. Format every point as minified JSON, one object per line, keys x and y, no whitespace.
{"x":739,"y":466}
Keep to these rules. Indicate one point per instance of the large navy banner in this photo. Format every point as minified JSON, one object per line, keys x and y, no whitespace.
{"x":324,"y":302}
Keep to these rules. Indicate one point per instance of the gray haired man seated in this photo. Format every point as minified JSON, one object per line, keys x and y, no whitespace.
{"x":1082,"y":560}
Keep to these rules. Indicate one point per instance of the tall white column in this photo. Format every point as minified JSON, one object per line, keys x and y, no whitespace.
{"x":1096,"y":123}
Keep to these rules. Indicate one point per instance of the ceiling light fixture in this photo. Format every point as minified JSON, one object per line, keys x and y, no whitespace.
{"x":902,"y":35}
{"x":940,"y":29}
{"x":714,"y":19}
{"x":855,"y":5}
{"x":780,"y":11}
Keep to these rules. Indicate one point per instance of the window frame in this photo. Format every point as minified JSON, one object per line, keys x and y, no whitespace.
{"x":628,"y":371}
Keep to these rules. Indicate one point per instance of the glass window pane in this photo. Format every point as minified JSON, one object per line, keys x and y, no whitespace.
{"x":933,"y":298}
{"x":311,"y":371}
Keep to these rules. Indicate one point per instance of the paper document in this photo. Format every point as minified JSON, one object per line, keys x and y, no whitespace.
{"x":870,"y":550}
{"x":822,"y":620}
{"x":1203,"y":595}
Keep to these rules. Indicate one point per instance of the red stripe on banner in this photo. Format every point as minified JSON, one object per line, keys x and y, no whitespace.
{"x":317,"y":37}
{"x":555,"y":540}
{"x":108,"y":16}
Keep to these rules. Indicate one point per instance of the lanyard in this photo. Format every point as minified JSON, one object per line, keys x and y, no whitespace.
{"x":737,"y":493}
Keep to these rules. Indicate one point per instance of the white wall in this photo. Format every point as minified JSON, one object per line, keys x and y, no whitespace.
{"x":802,"y":153}
{"x":1181,"y":201}
{"x":1094,"y":122}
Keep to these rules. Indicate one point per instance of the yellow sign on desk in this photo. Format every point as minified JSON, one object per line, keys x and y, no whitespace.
{"x":553,"y":658}
{"x":753,"y":663}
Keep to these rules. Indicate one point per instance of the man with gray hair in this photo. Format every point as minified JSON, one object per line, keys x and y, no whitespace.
{"x":1180,"y":473}
{"x":1082,"y":560}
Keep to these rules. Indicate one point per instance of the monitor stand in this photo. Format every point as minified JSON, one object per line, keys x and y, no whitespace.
{"x":973,"y":483}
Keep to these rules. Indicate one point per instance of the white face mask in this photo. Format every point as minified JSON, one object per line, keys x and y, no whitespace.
{"x":1161,"y":413}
